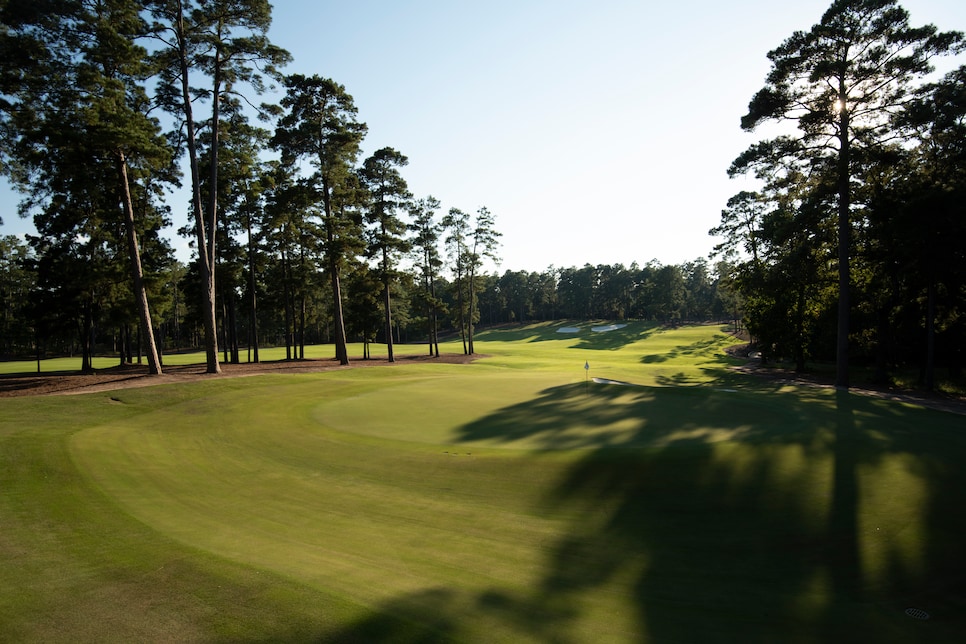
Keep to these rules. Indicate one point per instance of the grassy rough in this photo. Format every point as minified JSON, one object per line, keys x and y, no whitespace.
{"x":512,"y":499}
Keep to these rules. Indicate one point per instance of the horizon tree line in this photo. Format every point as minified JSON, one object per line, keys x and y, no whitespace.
{"x":426,"y":303}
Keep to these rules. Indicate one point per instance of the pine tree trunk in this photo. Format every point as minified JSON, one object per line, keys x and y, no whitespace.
{"x":205,"y":266}
{"x":302,"y":327}
{"x":462,"y":310}
{"x":469,"y":321}
{"x":224,"y":330}
{"x":844,"y":243}
{"x":287,"y":306}
{"x":929,"y":379}
{"x":387,"y":304}
{"x":137,"y":273}
{"x":800,"y":330}
{"x":87,"y":334}
{"x":341,"y":349}
{"x":252,"y":302}
{"x":231,"y":322}
{"x":434,"y":336}
{"x":880,"y":374}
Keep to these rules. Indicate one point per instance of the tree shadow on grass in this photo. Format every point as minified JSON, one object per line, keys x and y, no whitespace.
{"x":732,"y":516}
{"x":714,"y":346}
{"x":420,"y":618}
{"x":764,"y":538}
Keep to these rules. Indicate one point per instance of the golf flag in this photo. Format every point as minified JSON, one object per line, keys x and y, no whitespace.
{"x":586,"y":366}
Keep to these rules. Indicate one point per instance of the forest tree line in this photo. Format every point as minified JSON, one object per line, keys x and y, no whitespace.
{"x":103,"y":102}
{"x":665,"y":294}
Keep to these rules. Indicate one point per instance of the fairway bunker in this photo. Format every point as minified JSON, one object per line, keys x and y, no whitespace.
{"x":607,"y":327}
{"x":604,"y":328}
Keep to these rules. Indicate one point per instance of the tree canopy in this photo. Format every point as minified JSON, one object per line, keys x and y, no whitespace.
{"x":849,"y":86}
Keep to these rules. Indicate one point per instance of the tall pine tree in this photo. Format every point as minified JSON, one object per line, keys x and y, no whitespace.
{"x":841,"y":82}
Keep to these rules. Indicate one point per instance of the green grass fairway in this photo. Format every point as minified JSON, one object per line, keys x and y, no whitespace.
{"x":512,"y":499}
{"x":312,"y":352}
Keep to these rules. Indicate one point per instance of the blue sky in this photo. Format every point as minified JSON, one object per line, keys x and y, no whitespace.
{"x":596,"y":132}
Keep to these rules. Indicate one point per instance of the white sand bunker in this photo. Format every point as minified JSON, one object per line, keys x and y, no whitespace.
{"x":569,"y":329}
{"x":608,"y":381}
{"x":607,"y":327}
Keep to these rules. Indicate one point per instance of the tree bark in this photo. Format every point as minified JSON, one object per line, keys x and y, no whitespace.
{"x":213,"y":170}
{"x":137,"y":273}
{"x":287,"y":305}
{"x":302,"y":326}
{"x":469,"y":319}
{"x":387,"y":301}
{"x":205,"y":267}
{"x":387,"y":304}
{"x":252,"y":303}
{"x":338,"y":318}
{"x":929,"y":379}
{"x":433,"y":314}
{"x":87,"y":339}
{"x":844,"y":243}
{"x":341,"y":350}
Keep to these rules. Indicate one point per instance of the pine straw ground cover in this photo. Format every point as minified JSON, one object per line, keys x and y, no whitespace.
{"x":509,"y":499}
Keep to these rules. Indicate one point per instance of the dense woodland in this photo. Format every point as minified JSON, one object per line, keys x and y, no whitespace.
{"x":853,"y":248}
{"x":665,"y":294}
{"x":851,"y":251}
